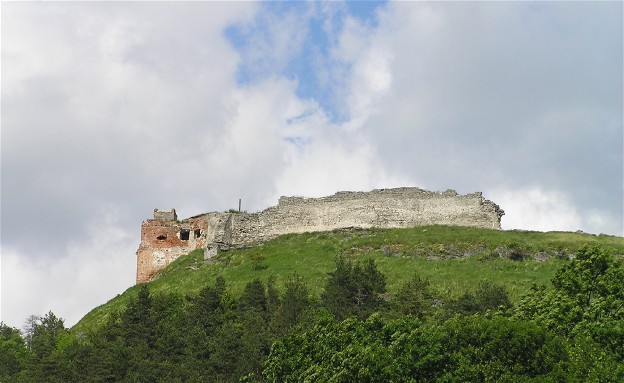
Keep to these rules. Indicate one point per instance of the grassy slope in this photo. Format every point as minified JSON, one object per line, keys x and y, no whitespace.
{"x":435,"y":252}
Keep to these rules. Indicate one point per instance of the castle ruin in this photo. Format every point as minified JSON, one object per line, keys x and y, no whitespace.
{"x":164,"y":238}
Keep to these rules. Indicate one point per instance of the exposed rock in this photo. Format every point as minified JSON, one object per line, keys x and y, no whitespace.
{"x":510,"y":253}
{"x":541,"y":256}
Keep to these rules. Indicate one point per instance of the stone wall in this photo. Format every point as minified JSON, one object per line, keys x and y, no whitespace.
{"x":163,"y":215}
{"x":163,"y":238}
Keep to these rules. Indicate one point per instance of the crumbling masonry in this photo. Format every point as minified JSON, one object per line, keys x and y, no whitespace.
{"x":164,"y":238}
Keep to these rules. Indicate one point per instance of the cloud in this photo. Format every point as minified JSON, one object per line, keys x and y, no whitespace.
{"x":105,"y":106}
{"x":113,"y":116}
{"x":139,"y":107}
{"x":488,"y":95}
{"x":537,"y":209}
{"x":112,"y":109}
{"x":534,"y":208}
{"x":91,"y":270}
{"x":271,"y":40}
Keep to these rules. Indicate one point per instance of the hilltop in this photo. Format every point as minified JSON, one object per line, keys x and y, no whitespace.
{"x":164,"y":238}
{"x":454,"y":259}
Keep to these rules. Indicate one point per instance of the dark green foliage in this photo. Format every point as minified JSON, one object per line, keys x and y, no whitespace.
{"x":487,"y":296}
{"x":348,"y":351}
{"x":253,"y":339}
{"x":585,"y":304}
{"x":224,"y":352}
{"x":45,"y":363}
{"x":273,"y":298}
{"x":462,"y":350}
{"x":255,"y":343}
{"x":253,"y":297}
{"x":136,"y":316}
{"x":208,"y":309}
{"x":501,"y":350}
{"x":591,"y":362}
{"x":295,"y":303}
{"x":415,"y":298}
{"x":354,"y":289}
{"x":13,"y":353}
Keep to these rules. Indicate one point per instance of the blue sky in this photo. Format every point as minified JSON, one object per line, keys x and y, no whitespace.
{"x":321,"y":24}
{"x":112,"y":109}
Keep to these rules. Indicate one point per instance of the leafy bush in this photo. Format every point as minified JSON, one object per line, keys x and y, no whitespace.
{"x":472,"y":349}
{"x":587,"y":300}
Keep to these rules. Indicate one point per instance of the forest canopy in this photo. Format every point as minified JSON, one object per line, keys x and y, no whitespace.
{"x":571,"y":330}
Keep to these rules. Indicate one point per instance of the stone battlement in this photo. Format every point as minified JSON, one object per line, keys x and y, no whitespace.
{"x":164,"y":238}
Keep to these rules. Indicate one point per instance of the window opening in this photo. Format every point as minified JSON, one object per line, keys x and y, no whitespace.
{"x":197,"y":233}
{"x":184,"y":235}
{"x":161,"y":237}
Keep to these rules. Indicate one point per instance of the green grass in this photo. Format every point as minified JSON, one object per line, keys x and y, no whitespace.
{"x":454,"y":259}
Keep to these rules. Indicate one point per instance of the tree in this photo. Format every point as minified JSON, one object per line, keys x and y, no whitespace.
{"x":587,"y":300}
{"x":13,"y":353}
{"x":370,"y":283}
{"x":255,"y":342}
{"x":137,"y":314}
{"x":48,"y":338}
{"x":502,"y":349}
{"x":255,"y":338}
{"x":225,"y":353}
{"x":464,"y":349}
{"x":273,"y":296}
{"x":354,"y":289}
{"x":414,"y":298}
{"x":295,"y":302}
{"x":586,"y":304}
{"x":487,"y":296}
{"x":208,"y":308}
{"x":29,"y":328}
{"x":253,"y":297}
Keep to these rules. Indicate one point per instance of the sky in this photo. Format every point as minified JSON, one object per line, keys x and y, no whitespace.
{"x":112,"y":109}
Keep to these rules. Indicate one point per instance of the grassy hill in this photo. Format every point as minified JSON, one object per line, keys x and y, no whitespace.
{"x":454,"y":259}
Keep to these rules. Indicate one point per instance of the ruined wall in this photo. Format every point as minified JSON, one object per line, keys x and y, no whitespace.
{"x":162,"y":240}
{"x":384,"y":208}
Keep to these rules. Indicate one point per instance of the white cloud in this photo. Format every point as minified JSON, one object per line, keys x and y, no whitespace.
{"x":598,"y":221}
{"x":486,"y":96}
{"x":104,"y":105}
{"x":537,"y":209}
{"x":273,"y":38}
{"x":93,"y":270}
{"x":369,"y":77}
{"x":327,"y":165}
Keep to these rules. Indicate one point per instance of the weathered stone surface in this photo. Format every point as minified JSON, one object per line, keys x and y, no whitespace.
{"x":164,"y":238}
{"x":541,"y":256}
{"x":163,"y":215}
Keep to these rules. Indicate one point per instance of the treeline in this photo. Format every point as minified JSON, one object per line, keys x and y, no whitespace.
{"x":355,"y":331}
